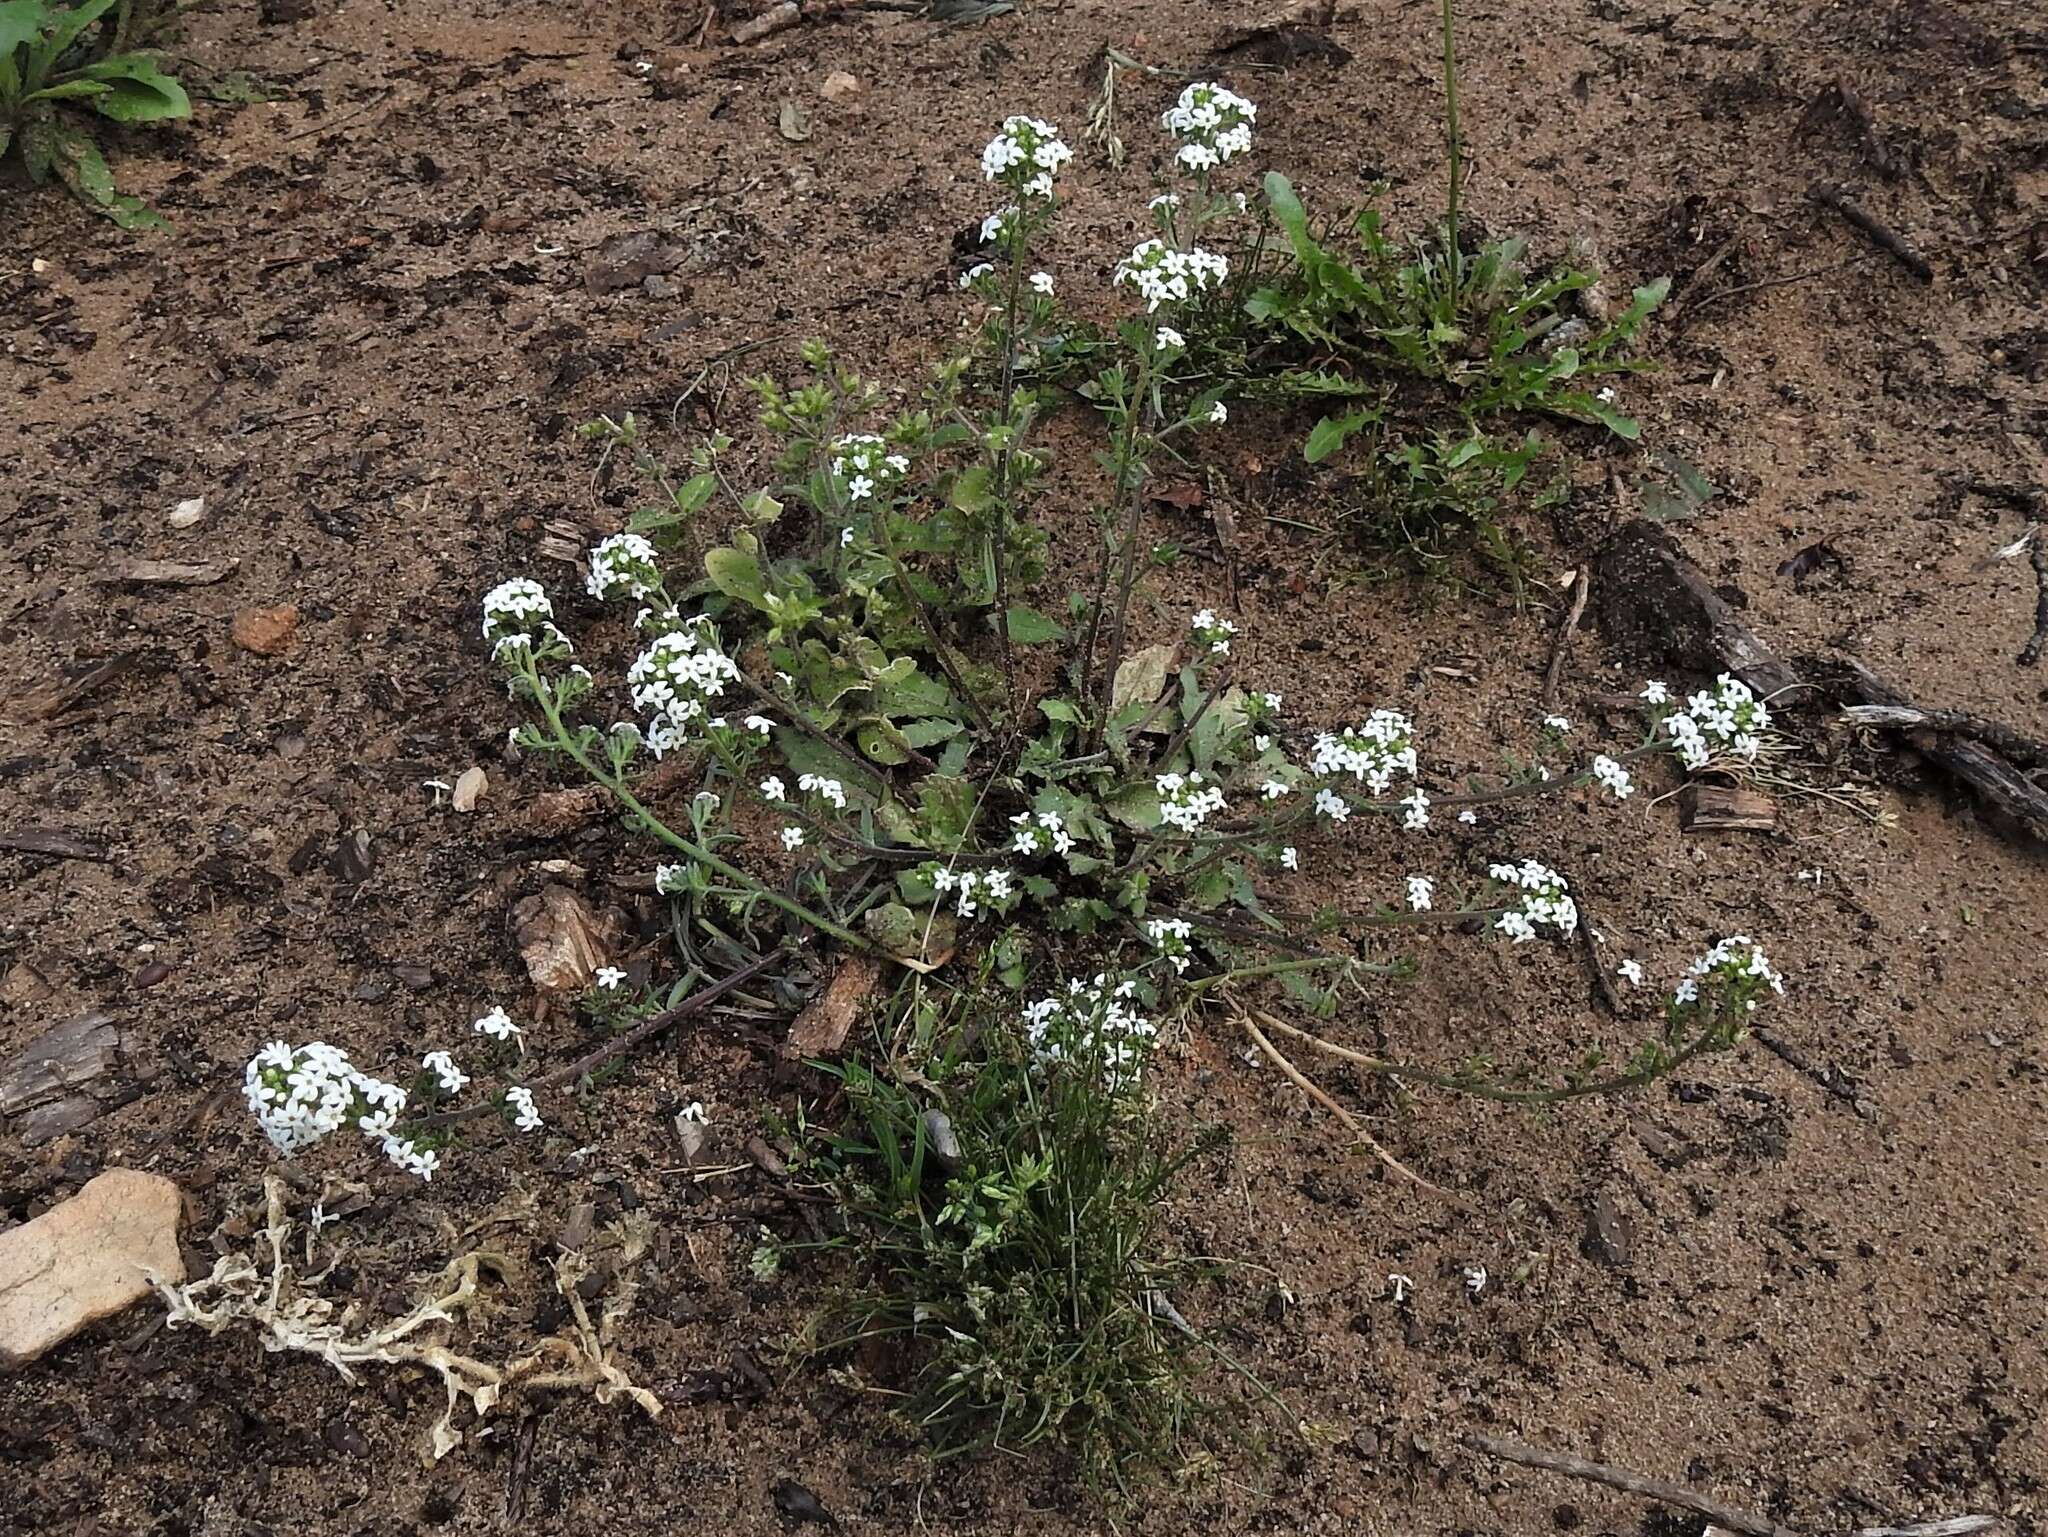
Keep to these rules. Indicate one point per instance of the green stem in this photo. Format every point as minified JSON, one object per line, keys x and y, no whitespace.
{"x":1457,"y":147}
{"x":675,"y":840}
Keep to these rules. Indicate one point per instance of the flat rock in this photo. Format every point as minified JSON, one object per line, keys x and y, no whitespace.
{"x":265,"y":631}
{"x":84,"y":1260}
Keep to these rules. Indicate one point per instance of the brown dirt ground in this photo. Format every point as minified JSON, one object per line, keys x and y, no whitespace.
{"x":365,"y":342}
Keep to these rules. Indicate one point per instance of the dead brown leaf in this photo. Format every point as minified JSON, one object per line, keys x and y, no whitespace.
{"x":820,"y":1030}
{"x":562,"y":940}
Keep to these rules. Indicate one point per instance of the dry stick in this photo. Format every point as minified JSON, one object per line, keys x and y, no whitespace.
{"x":1629,"y":1483}
{"x":1351,"y":1123}
{"x":1688,"y":1499}
{"x":618,"y":1045}
{"x":1553,"y":675}
{"x":1877,"y":230}
{"x":1777,"y":282}
{"x":2030,"y":653}
{"x":2023,"y":750}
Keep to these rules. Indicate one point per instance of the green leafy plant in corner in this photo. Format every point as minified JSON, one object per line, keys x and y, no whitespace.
{"x":61,"y":63}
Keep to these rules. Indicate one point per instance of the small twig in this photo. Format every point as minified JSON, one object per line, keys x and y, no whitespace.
{"x":1776,"y":282}
{"x":1603,"y":984}
{"x":1350,"y":1121}
{"x":327,"y":123}
{"x":522,"y":1466}
{"x":2030,"y":653}
{"x":1553,"y":674}
{"x":1880,"y":233}
{"x":1629,"y":1483}
{"x":617,"y":1046}
{"x":1828,"y":1081}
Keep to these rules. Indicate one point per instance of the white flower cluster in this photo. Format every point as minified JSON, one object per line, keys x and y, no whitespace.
{"x":1170,"y":937}
{"x":863,"y":463}
{"x":1421,"y":892}
{"x":1544,"y":900}
{"x":1163,"y":275}
{"x":1614,"y":777}
{"x":1215,"y":123}
{"x":524,"y":1115}
{"x":1372,"y":753}
{"x":1027,"y":153}
{"x":515,"y":612}
{"x":972,"y":889}
{"x":1211,"y":633}
{"x":671,"y":880}
{"x":622,"y":564}
{"x":826,"y":789}
{"x":1040,"y":834}
{"x":1730,"y":717}
{"x":301,"y":1094}
{"x":1186,"y":800}
{"x":1092,"y":1026}
{"x":1735,"y":971}
{"x":672,"y":680}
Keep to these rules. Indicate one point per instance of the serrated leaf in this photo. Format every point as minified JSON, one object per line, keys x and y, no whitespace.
{"x":1331,"y":433}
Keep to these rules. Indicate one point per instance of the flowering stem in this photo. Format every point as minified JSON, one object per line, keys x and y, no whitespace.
{"x":616,"y":783}
{"x":1128,"y":466}
{"x":618,"y":1045}
{"x":1001,"y":532}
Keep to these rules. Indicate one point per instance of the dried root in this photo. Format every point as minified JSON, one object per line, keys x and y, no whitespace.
{"x":289,"y":1316}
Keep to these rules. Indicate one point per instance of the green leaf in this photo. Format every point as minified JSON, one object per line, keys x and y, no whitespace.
{"x":736,"y":574}
{"x":929,"y":733}
{"x":1579,"y":403}
{"x":39,"y":148}
{"x":70,"y":90}
{"x":1134,"y":805}
{"x":144,"y":101}
{"x":60,"y":25}
{"x":1028,"y":627}
{"x":1292,"y":218}
{"x":1331,"y":433}
{"x":1060,"y":710}
{"x":947,"y":805}
{"x":879,"y":744}
{"x":21,"y":21}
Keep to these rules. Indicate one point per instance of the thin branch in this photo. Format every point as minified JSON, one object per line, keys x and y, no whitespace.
{"x":1629,"y":1483}
{"x":1553,"y":675}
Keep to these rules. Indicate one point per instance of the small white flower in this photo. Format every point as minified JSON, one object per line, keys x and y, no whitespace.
{"x":1468,"y":816}
{"x":1416,"y":817}
{"x":1169,"y":340}
{"x":1614,"y":777}
{"x":1654,"y":692}
{"x":1273,"y":789}
{"x":1332,"y":805}
{"x":979,"y":270}
{"x":830,"y":789}
{"x":1041,"y":282}
{"x":1218,"y":415}
{"x":1605,"y":394}
{"x":1630,"y":972}
{"x":792,"y":838}
{"x":609,"y":977}
{"x":442,"y":1066}
{"x":497,"y":1024}
{"x":1421,"y":892}
{"x":760,"y":723}
{"x":1475,"y":1279}
{"x":671,"y":880}
{"x":772,"y":789}
{"x":1290,"y":858}
{"x":1557,"y":723}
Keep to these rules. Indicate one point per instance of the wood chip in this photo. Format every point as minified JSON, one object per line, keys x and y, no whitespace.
{"x":820,"y":1030}
{"x":265,"y":631}
{"x":1704,"y":808}
{"x":470,"y":785}
{"x":562,"y":941}
{"x":779,"y":18}
{"x":167,"y":573}
{"x":86,"y":1259}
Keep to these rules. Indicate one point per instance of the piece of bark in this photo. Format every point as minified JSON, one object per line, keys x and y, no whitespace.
{"x":821,"y":1029}
{"x":48,"y":840}
{"x":2022,"y":750}
{"x":562,"y":941}
{"x":86,"y":1259}
{"x":55,"y":698}
{"x":1656,"y":602}
{"x":2012,"y":801}
{"x":1706,"y":808}
{"x":67,"y":1056}
{"x":46,"y":1123}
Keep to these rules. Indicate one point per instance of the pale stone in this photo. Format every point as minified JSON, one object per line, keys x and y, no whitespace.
{"x":84,"y":1260}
